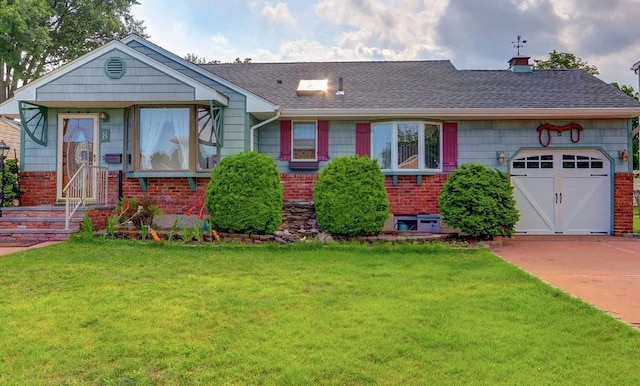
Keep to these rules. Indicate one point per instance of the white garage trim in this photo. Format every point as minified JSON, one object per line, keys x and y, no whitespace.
{"x":563,"y":191}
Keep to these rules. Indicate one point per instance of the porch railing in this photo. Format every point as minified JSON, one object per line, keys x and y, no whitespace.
{"x":90,"y":185}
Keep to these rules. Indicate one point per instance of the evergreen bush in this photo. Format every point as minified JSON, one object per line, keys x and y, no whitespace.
{"x":245,"y":194}
{"x":350,"y":197}
{"x":479,"y":201}
{"x":11,"y":184}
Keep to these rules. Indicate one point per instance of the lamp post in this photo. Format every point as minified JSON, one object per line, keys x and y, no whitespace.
{"x":4,"y":149}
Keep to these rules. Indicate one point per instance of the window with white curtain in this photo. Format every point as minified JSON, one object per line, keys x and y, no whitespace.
{"x":174,"y":138}
{"x":164,"y":138}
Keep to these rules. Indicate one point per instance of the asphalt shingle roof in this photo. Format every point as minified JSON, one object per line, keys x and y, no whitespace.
{"x":422,"y":85}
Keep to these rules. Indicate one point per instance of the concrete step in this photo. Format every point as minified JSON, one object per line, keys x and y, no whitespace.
{"x":36,"y":234}
{"x":37,"y":223}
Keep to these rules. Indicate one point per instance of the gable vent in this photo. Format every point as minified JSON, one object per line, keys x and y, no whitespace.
{"x":115,"y":68}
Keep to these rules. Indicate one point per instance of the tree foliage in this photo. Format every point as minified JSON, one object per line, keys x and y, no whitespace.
{"x":479,"y":201}
{"x":350,"y":197}
{"x":564,"y":61}
{"x":636,"y":129}
{"x":195,"y":59}
{"x":37,"y":36}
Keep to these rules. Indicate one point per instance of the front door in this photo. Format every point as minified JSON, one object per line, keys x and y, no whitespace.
{"x":77,"y":145}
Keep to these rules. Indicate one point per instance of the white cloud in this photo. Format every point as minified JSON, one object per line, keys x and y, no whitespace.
{"x":279,"y":12}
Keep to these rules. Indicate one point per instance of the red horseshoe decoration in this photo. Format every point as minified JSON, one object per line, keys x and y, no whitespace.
{"x":574,"y":129}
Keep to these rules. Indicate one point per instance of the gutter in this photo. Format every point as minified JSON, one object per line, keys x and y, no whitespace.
{"x":253,"y":128}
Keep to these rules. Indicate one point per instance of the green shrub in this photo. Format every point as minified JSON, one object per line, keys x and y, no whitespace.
{"x":479,"y":201}
{"x":350,"y":197}
{"x":11,"y":186}
{"x":245,"y":194}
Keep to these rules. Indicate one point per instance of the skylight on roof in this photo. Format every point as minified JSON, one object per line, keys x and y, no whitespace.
{"x":312,"y":86}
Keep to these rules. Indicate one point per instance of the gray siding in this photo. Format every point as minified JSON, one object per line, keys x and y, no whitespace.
{"x":342,"y":141}
{"x":139,"y":83}
{"x":478,"y":141}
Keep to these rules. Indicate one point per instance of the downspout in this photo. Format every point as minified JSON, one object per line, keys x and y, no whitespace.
{"x":254,"y":127}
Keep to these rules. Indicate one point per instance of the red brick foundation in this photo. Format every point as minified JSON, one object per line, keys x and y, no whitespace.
{"x":174,"y":195}
{"x":623,"y":204}
{"x":406,"y":197}
{"x":39,"y":188}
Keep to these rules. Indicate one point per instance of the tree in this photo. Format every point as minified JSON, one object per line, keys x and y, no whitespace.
{"x":564,"y":60}
{"x":633,"y":94}
{"x":37,"y":36}
{"x":195,"y":59}
{"x":246,"y":60}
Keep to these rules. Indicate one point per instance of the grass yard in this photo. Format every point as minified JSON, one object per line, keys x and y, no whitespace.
{"x":121,"y":312}
{"x":636,"y":220}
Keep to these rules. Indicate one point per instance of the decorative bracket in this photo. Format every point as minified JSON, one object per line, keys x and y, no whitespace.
{"x":545,"y":140}
{"x":34,"y":121}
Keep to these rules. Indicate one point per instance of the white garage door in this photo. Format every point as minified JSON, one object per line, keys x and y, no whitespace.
{"x":562,"y":192}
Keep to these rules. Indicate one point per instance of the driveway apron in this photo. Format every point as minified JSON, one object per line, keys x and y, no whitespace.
{"x":602,"y":271}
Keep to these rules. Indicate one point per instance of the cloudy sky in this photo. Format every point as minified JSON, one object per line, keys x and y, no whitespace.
{"x":473,"y":34}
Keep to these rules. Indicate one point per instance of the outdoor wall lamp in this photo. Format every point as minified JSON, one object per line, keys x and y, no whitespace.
{"x":104,"y":117}
{"x":624,"y":155}
{"x":502,"y":157}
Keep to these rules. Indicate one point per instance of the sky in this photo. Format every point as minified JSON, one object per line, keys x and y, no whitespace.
{"x":473,"y":34}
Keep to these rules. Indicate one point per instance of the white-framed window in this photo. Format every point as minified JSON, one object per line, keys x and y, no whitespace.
{"x":304,"y":141}
{"x":407,"y":145}
{"x":174,"y":138}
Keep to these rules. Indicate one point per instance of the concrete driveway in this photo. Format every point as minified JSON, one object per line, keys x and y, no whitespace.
{"x":603,"y":271}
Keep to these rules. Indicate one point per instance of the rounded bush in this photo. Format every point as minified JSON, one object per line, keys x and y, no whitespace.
{"x":245,"y":194}
{"x":479,"y":201}
{"x":350,"y":197}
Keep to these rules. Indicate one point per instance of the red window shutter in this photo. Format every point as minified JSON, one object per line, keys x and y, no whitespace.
{"x":449,"y":146}
{"x":363,"y":139}
{"x":323,"y":140}
{"x":285,"y":140}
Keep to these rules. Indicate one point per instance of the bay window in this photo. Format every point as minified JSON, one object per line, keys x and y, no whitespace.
{"x":173,"y":139}
{"x":407,"y":146}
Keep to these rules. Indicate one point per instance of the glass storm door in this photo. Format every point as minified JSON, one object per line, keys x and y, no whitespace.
{"x":76,"y":146}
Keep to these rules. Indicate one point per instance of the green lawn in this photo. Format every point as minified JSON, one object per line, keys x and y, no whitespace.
{"x":121,"y":312}
{"x":636,"y":220}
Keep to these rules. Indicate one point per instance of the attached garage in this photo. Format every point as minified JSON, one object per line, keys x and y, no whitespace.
{"x":562,"y":191}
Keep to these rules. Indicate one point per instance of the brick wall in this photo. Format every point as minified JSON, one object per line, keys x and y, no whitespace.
{"x":39,"y":188}
{"x":406,"y":197}
{"x":298,"y":186}
{"x":623,"y":204}
{"x":172,"y":195}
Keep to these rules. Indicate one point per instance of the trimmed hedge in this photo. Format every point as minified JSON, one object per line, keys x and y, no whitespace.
{"x":479,"y":201}
{"x":350,"y":197}
{"x":245,"y":194}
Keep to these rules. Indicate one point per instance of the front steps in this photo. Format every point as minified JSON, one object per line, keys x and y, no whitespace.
{"x":37,"y":223}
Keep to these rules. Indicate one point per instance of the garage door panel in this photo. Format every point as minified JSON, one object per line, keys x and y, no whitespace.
{"x":585,"y":205}
{"x":562,"y":191}
{"x":536,"y":208}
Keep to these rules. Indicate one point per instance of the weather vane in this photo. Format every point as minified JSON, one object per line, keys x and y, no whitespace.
{"x":519,"y":43}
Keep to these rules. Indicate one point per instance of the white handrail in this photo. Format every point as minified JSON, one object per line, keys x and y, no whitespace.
{"x":88,"y":184}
